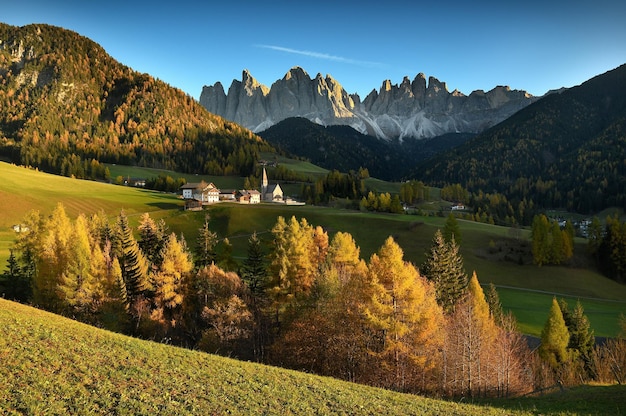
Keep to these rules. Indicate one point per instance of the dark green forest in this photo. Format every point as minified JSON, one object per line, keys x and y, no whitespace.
{"x":345,"y":149}
{"x":567,"y":151}
{"x":67,"y":107}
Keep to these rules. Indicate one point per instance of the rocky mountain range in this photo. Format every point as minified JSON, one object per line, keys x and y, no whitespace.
{"x":414,"y":109}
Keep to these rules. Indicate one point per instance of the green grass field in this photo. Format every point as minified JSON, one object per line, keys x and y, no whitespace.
{"x":603,"y":299}
{"x":54,"y":365}
{"x":226,"y":182}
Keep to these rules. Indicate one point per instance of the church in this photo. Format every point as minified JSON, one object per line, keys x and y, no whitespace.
{"x":270,"y":193}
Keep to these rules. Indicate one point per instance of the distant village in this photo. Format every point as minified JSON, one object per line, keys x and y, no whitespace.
{"x":198,"y":194}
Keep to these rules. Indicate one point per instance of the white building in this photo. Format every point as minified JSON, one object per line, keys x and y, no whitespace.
{"x":207,"y":193}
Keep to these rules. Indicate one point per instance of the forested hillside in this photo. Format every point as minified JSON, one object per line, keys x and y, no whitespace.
{"x":66,"y":106}
{"x":345,"y":149}
{"x":567,"y":150}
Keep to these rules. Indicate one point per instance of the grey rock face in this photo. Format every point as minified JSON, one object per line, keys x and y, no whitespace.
{"x":413,"y":109}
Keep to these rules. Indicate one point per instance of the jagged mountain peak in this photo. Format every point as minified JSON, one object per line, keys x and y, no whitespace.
{"x":412,"y":109}
{"x":296,"y":73}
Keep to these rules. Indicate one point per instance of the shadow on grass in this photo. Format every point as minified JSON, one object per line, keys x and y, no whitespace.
{"x":584,"y":400}
{"x":166,"y":205}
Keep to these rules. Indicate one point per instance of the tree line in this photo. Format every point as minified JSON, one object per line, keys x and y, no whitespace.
{"x":302,"y":300}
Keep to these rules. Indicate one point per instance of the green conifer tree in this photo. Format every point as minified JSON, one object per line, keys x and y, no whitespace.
{"x":451,"y":229}
{"x":205,"y":245}
{"x":495,"y":307}
{"x":555,"y":338}
{"x":253,"y":270}
{"x":582,"y":340}
{"x":152,"y":239}
{"x":444,"y":267}
{"x":133,"y":263}
{"x":14,"y":281}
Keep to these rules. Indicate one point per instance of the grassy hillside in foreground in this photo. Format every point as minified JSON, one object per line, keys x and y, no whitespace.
{"x":53,"y":365}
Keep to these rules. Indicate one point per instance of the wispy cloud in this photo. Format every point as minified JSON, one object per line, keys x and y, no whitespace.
{"x":320,"y":55}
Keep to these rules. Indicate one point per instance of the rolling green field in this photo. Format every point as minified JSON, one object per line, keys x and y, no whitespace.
{"x":226,"y":182}
{"x":603,"y":299}
{"x":54,"y":365}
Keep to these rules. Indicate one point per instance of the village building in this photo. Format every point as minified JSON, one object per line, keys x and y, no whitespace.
{"x":206,"y":193}
{"x":228,"y":195}
{"x":248,"y":196}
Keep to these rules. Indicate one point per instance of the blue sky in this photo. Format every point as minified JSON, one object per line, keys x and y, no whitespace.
{"x":532,"y":45}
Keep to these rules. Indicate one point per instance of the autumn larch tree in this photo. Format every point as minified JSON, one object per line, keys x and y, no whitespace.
{"x":332,"y":338}
{"x":404,"y":309}
{"x":225,"y":318}
{"x":169,"y":283}
{"x":293,"y":266}
{"x":470,"y":345}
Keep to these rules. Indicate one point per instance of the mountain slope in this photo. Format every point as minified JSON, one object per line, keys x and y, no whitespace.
{"x":413,"y":109}
{"x":64,"y":100}
{"x":54,"y":365}
{"x":566,"y":150}
{"x":345,"y":149}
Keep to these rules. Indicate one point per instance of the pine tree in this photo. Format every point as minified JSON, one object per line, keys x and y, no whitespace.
{"x":253,"y":270}
{"x":343,"y":255}
{"x":205,"y":245}
{"x":226,"y":259}
{"x":152,"y":239}
{"x":495,"y":307}
{"x":581,"y":340}
{"x":444,"y":267}
{"x":224,"y":317}
{"x":451,"y":229}
{"x":555,"y":338}
{"x":14,"y":282}
{"x":133,"y":263}
{"x":540,"y":235}
{"x":594,"y":237}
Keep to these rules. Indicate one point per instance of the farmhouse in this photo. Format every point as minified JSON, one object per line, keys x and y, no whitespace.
{"x":228,"y":195}
{"x":206,"y":193}
{"x":248,"y":196}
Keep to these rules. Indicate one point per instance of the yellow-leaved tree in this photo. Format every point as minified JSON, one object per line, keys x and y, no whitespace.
{"x":169,"y":284}
{"x":404,"y":310}
{"x":470,"y":345}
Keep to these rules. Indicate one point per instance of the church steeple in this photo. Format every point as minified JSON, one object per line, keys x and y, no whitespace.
{"x":264,"y":183}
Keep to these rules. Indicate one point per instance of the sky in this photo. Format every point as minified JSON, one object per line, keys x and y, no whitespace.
{"x":470,"y":45}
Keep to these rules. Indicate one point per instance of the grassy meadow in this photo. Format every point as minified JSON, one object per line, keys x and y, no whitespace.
{"x":526,"y":290}
{"x":54,"y":365}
